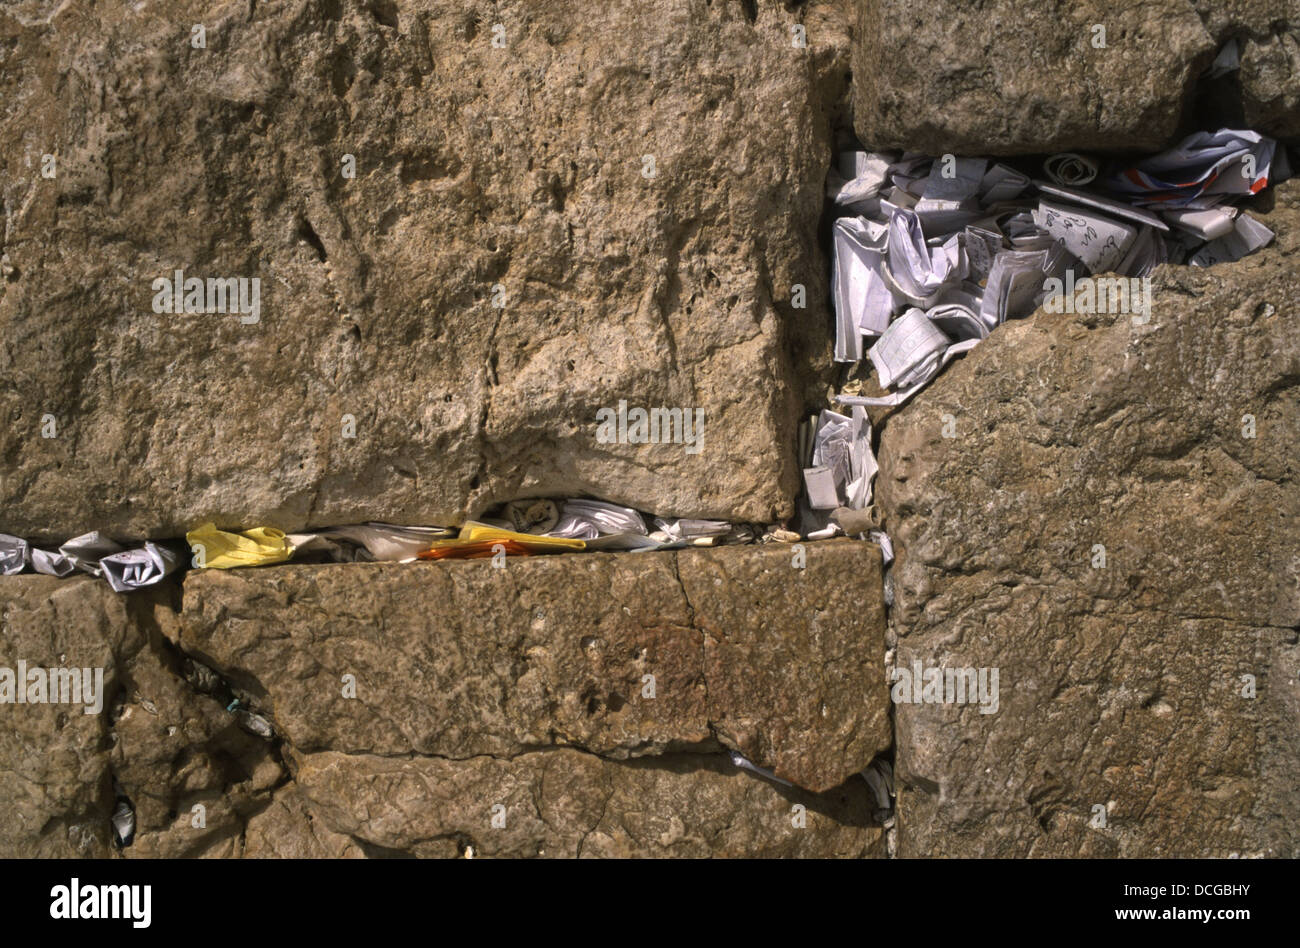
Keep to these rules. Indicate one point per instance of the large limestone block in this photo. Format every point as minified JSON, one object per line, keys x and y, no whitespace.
{"x":740,"y":645}
{"x":1018,"y":76}
{"x":1169,"y":449}
{"x":564,"y":803}
{"x":639,"y":186}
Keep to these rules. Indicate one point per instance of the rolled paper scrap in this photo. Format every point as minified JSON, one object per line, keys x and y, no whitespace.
{"x":1070,"y":169}
{"x":532,"y":516}
{"x":255,"y":724}
{"x":879,"y":777}
{"x":739,"y":760}
{"x":853,"y":522}
{"x":825,"y":533}
{"x":123,"y":820}
{"x":881,"y":539}
{"x":691,"y":529}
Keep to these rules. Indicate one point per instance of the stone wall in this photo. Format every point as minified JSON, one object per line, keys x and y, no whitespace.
{"x":559,"y":687}
{"x":1113,"y":524}
{"x":483,"y":176}
{"x":605,"y":202}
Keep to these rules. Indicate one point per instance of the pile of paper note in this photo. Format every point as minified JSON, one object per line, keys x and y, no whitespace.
{"x":518,"y":528}
{"x":931,"y":254}
{"x":122,"y":568}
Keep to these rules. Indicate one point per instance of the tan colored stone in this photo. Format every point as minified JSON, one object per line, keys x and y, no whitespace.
{"x":564,"y":803}
{"x":164,"y":747}
{"x":1121,"y":686}
{"x":476,"y":167}
{"x":1017,"y":77}
{"x":55,"y":776}
{"x":460,"y":659}
{"x":286,"y":829}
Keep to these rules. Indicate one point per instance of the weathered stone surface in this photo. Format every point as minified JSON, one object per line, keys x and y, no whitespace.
{"x":55,"y":776}
{"x":1119,"y":686}
{"x":476,"y":167}
{"x":286,"y":829}
{"x":461,"y":659}
{"x":1012,"y":76}
{"x":155,"y":741}
{"x":1270,"y":79}
{"x":564,"y":803}
{"x":191,"y":773}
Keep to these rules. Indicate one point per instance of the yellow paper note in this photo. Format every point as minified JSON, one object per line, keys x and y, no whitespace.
{"x":220,"y":549}
{"x":478,"y":532}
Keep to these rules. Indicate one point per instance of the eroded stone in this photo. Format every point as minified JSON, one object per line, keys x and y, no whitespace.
{"x":1169,"y":448}
{"x":511,"y":173}
{"x":462,"y":659}
{"x":564,"y":803}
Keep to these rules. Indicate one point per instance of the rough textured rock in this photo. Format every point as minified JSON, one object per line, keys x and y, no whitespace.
{"x":164,"y":747}
{"x":476,"y":167}
{"x":471,"y":681}
{"x":192,"y":774}
{"x":1009,"y":76}
{"x":1270,"y":79}
{"x":287,"y":829}
{"x":1120,"y":686}
{"x":55,"y":775}
{"x":462,"y":659}
{"x":564,"y":803}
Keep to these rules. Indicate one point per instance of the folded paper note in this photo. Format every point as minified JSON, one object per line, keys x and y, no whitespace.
{"x":135,"y":569}
{"x":1098,"y":241}
{"x":219,"y":549}
{"x":1248,"y":235}
{"x":909,"y":349}
{"x":863,"y":304}
{"x":1208,"y":224}
{"x":85,"y":551}
{"x":532,"y":516}
{"x":381,"y":542}
{"x":476,"y":537}
{"x":52,"y":563}
{"x":1200,"y":172}
{"x":589,"y":519}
